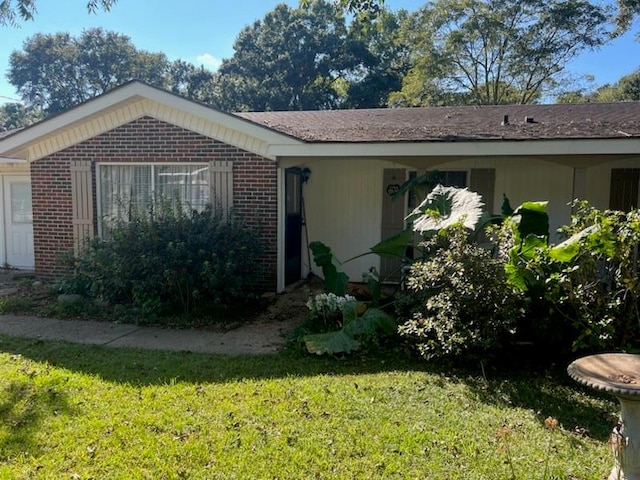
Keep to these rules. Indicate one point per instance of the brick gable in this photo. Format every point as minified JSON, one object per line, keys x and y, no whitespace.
{"x":150,"y":141}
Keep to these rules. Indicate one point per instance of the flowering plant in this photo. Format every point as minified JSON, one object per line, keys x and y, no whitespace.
{"x":328,"y":304}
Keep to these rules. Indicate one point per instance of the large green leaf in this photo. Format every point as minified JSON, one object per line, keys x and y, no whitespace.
{"x":394,"y":246}
{"x":344,"y":340}
{"x":532,"y":219}
{"x":330,"y":343}
{"x":335,"y":280}
{"x":567,"y":250}
{"x":447,"y":206}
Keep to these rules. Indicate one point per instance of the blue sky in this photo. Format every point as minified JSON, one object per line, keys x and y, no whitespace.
{"x":203,"y":32}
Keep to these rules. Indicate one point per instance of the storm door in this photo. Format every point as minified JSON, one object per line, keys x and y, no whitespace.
{"x":293,"y":226}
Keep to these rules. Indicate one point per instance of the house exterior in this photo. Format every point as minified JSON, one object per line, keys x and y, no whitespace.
{"x":301,"y":176}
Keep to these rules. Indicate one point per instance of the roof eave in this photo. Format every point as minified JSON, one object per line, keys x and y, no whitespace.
{"x":17,"y":144}
{"x":484,"y":148}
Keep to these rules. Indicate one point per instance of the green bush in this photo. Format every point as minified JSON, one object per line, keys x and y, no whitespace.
{"x":459,"y":300}
{"x":169,"y":260}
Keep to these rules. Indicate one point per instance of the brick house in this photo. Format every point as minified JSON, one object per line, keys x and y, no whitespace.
{"x":300,"y":176}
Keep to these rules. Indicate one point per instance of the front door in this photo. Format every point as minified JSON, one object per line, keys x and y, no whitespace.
{"x":18,"y":222}
{"x":293,"y":225}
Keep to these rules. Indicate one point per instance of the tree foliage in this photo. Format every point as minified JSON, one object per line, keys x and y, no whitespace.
{"x":54,"y":72}
{"x":627,"y":89}
{"x":504,"y":51}
{"x":290,"y":60}
{"x":627,"y":11}
{"x":12,"y":11}
{"x":15,"y":115}
{"x":383,"y":62}
{"x":353,"y":6}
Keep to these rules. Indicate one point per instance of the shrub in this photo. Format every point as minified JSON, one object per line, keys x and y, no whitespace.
{"x":583,"y":294}
{"x":463,"y":303}
{"x":170,"y":259}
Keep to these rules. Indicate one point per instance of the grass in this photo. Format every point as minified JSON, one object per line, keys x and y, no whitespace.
{"x":78,"y":412}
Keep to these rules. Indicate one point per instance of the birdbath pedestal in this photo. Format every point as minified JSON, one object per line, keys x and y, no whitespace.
{"x":619,"y":375}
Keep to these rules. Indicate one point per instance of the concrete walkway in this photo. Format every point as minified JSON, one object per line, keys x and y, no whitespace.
{"x":253,"y":338}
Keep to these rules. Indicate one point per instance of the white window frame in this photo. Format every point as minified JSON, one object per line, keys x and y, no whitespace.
{"x":134,"y":164}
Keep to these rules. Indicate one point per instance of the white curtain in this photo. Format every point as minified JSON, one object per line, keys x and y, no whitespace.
{"x":188,"y":184}
{"x":125,"y":189}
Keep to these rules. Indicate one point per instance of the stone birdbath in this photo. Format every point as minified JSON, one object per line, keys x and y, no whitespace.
{"x":619,"y":375}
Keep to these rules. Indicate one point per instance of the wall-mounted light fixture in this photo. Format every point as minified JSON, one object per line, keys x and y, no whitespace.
{"x":305,"y":174}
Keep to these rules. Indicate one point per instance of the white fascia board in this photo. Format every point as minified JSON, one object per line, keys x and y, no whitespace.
{"x":134,"y":92}
{"x":609,"y":146}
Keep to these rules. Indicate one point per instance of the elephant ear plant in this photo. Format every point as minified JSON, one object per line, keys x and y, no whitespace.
{"x":358,"y":320}
{"x":442,"y":208}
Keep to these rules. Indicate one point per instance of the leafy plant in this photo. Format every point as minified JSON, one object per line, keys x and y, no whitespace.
{"x":170,"y":259}
{"x":463,"y":302}
{"x":335,"y":280}
{"x":583,"y":293}
{"x":354,"y":329}
{"x":447,"y":206}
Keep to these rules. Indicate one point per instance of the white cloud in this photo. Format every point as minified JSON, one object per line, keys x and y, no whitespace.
{"x":209,"y":61}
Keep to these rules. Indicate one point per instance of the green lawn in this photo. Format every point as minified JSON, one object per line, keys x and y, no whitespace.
{"x":81,"y":412}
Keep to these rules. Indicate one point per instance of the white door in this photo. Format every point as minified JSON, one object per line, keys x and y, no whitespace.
{"x":18,"y":220}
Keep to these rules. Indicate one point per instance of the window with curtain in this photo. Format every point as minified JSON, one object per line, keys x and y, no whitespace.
{"x":126,"y":189}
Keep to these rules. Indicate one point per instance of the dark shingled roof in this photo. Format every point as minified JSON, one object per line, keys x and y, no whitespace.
{"x":457,"y":124}
{"x":6,"y":133}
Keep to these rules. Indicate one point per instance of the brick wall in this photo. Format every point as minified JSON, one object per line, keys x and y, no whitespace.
{"x":148,"y":140}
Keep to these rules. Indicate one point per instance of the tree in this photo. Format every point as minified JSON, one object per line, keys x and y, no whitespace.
{"x":12,"y":11}
{"x":290,"y":60}
{"x":495,"y":52}
{"x":54,"y":72}
{"x":627,"y":89}
{"x":15,"y":115}
{"x":383,"y":59}
{"x":353,"y":6}
{"x":627,"y":11}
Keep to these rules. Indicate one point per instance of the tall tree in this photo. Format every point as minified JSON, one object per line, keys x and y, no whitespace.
{"x":493,"y":52}
{"x":383,"y":58}
{"x":15,"y":115}
{"x":54,"y":72}
{"x":11,"y":11}
{"x":290,"y":60}
{"x":627,"y":89}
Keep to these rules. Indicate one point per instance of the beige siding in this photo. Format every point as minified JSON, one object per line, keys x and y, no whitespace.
{"x":14,"y":168}
{"x":523,"y":180}
{"x":599,"y":181}
{"x":343,"y":202}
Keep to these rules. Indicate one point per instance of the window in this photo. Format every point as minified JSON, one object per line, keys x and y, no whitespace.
{"x":426,"y":182}
{"x":450,"y":178}
{"x":624,"y":189}
{"x":127,"y":188}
